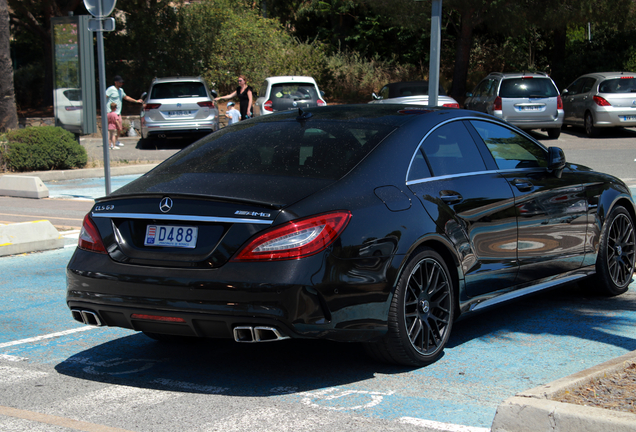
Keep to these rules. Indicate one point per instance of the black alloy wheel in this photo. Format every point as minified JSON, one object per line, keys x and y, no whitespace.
{"x":615,"y":262}
{"x":421,"y":314}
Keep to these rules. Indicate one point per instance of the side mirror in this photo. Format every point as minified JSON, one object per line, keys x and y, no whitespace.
{"x":143,"y":96}
{"x":556,"y":160}
{"x":375,"y":96}
{"x":469,"y":94}
{"x":564,"y":92}
{"x":322,"y":94}
{"x":214,"y":93}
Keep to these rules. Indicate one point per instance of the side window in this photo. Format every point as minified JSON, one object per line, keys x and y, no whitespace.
{"x":450,"y":149}
{"x":509,"y":149}
{"x":263,"y":90}
{"x":491,"y":89}
{"x":587,"y":85}
{"x":384,"y":93}
{"x":419,"y":167}
{"x":575,"y":87}
{"x":479,"y":90}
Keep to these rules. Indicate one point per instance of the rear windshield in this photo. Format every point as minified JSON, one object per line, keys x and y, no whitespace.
{"x":74,"y":95}
{"x":178,"y":90}
{"x":618,"y":85}
{"x":527,"y":88}
{"x":294,"y":91}
{"x":326,"y":150}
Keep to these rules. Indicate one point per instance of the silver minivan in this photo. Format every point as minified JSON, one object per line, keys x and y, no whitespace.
{"x":177,"y":106}
{"x":600,"y":100}
{"x":526,"y":100}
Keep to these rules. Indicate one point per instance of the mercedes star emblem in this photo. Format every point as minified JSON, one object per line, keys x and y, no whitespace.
{"x":166,"y":205}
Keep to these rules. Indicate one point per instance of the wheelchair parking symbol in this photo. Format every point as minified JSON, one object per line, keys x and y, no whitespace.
{"x":344,"y":400}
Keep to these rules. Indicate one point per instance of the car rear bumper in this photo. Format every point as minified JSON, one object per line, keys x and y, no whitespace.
{"x":212,"y":303}
{"x":615,"y":117}
{"x":530,"y":123}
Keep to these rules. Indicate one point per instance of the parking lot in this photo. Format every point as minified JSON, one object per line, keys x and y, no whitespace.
{"x":57,"y":375}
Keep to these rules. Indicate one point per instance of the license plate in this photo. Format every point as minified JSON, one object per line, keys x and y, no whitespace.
{"x":171,"y":236}
{"x":530,"y":108}
{"x":628,"y":118}
{"x":179,"y":113}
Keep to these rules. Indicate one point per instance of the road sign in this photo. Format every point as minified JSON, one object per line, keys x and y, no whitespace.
{"x":100,"y":8}
{"x":101,"y":24}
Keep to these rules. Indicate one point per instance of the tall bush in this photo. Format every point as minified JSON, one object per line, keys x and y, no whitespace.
{"x":43,"y":148}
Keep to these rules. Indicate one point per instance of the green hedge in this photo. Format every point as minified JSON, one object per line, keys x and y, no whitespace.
{"x":42,"y":148}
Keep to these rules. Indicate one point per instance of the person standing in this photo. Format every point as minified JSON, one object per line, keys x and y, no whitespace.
{"x":244,"y":94}
{"x":116,"y":94}
{"x":114,"y":125}
{"x":232,"y":114}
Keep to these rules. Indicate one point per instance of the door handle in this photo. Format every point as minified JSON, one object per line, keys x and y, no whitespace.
{"x":450,"y":197}
{"x":523,"y":185}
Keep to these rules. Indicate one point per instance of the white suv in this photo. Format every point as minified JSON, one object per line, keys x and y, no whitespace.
{"x":285,"y":93}
{"x":178,"y":106}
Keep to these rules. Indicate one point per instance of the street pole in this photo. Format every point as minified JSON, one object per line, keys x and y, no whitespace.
{"x":434,"y":61}
{"x":102,"y":99}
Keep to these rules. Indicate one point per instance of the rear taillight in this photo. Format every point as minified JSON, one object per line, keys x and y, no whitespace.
{"x":559,"y":103}
{"x":497,"y":104}
{"x":208,"y":104}
{"x":89,"y":238}
{"x":158,"y":318}
{"x":627,"y":77}
{"x":72,"y":108}
{"x":151,"y":106}
{"x":322,"y":102}
{"x":267,"y":106}
{"x":601,"y":101}
{"x":295,"y":239}
{"x":527,"y":77}
{"x":451,"y":105}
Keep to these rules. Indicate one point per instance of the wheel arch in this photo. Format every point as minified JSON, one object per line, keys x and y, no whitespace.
{"x":445,"y":249}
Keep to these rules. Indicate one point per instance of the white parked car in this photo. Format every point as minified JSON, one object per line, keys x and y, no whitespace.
{"x":411,"y":92}
{"x":69,"y":109}
{"x":179,"y":106}
{"x":283,"y":93}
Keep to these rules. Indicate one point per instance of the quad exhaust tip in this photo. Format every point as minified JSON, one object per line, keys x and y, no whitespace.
{"x":87,"y":317}
{"x":248,"y":334}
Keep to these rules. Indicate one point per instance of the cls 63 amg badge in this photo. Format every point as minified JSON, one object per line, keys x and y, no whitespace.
{"x":249,"y":213}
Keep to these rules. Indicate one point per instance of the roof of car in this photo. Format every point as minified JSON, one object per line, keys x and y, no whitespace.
{"x":279,"y":79}
{"x":178,"y":78}
{"x":388,"y":114}
{"x":610,"y":74}
{"x":519,"y":74}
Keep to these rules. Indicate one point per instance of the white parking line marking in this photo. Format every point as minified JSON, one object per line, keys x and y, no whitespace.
{"x":47,"y":336}
{"x":12,"y":358}
{"x":57,"y":421}
{"x":439,"y":426}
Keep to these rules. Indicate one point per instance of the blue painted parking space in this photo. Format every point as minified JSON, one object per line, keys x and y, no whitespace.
{"x":490,"y":357}
{"x":87,"y":188}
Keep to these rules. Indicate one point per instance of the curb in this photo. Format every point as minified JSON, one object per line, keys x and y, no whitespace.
{"x":26,"y":237}
{"x":88,"y":172}
{"x":534,"y":410}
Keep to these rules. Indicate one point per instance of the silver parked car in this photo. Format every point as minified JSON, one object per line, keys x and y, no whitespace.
{"x":411,"y":92}
{"x":601,"y":100}
{"x":179,"y":106}
{"x":526,"y":100}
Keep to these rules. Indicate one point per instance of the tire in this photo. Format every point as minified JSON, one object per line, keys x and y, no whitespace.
{"x":421,"y":313}
{"x":590,"y":129}
{"x":615,"y":262}
{"x":554,"y":133}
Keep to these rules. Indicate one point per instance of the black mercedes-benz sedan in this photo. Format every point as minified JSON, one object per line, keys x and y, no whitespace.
{"x":378,"y":224}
